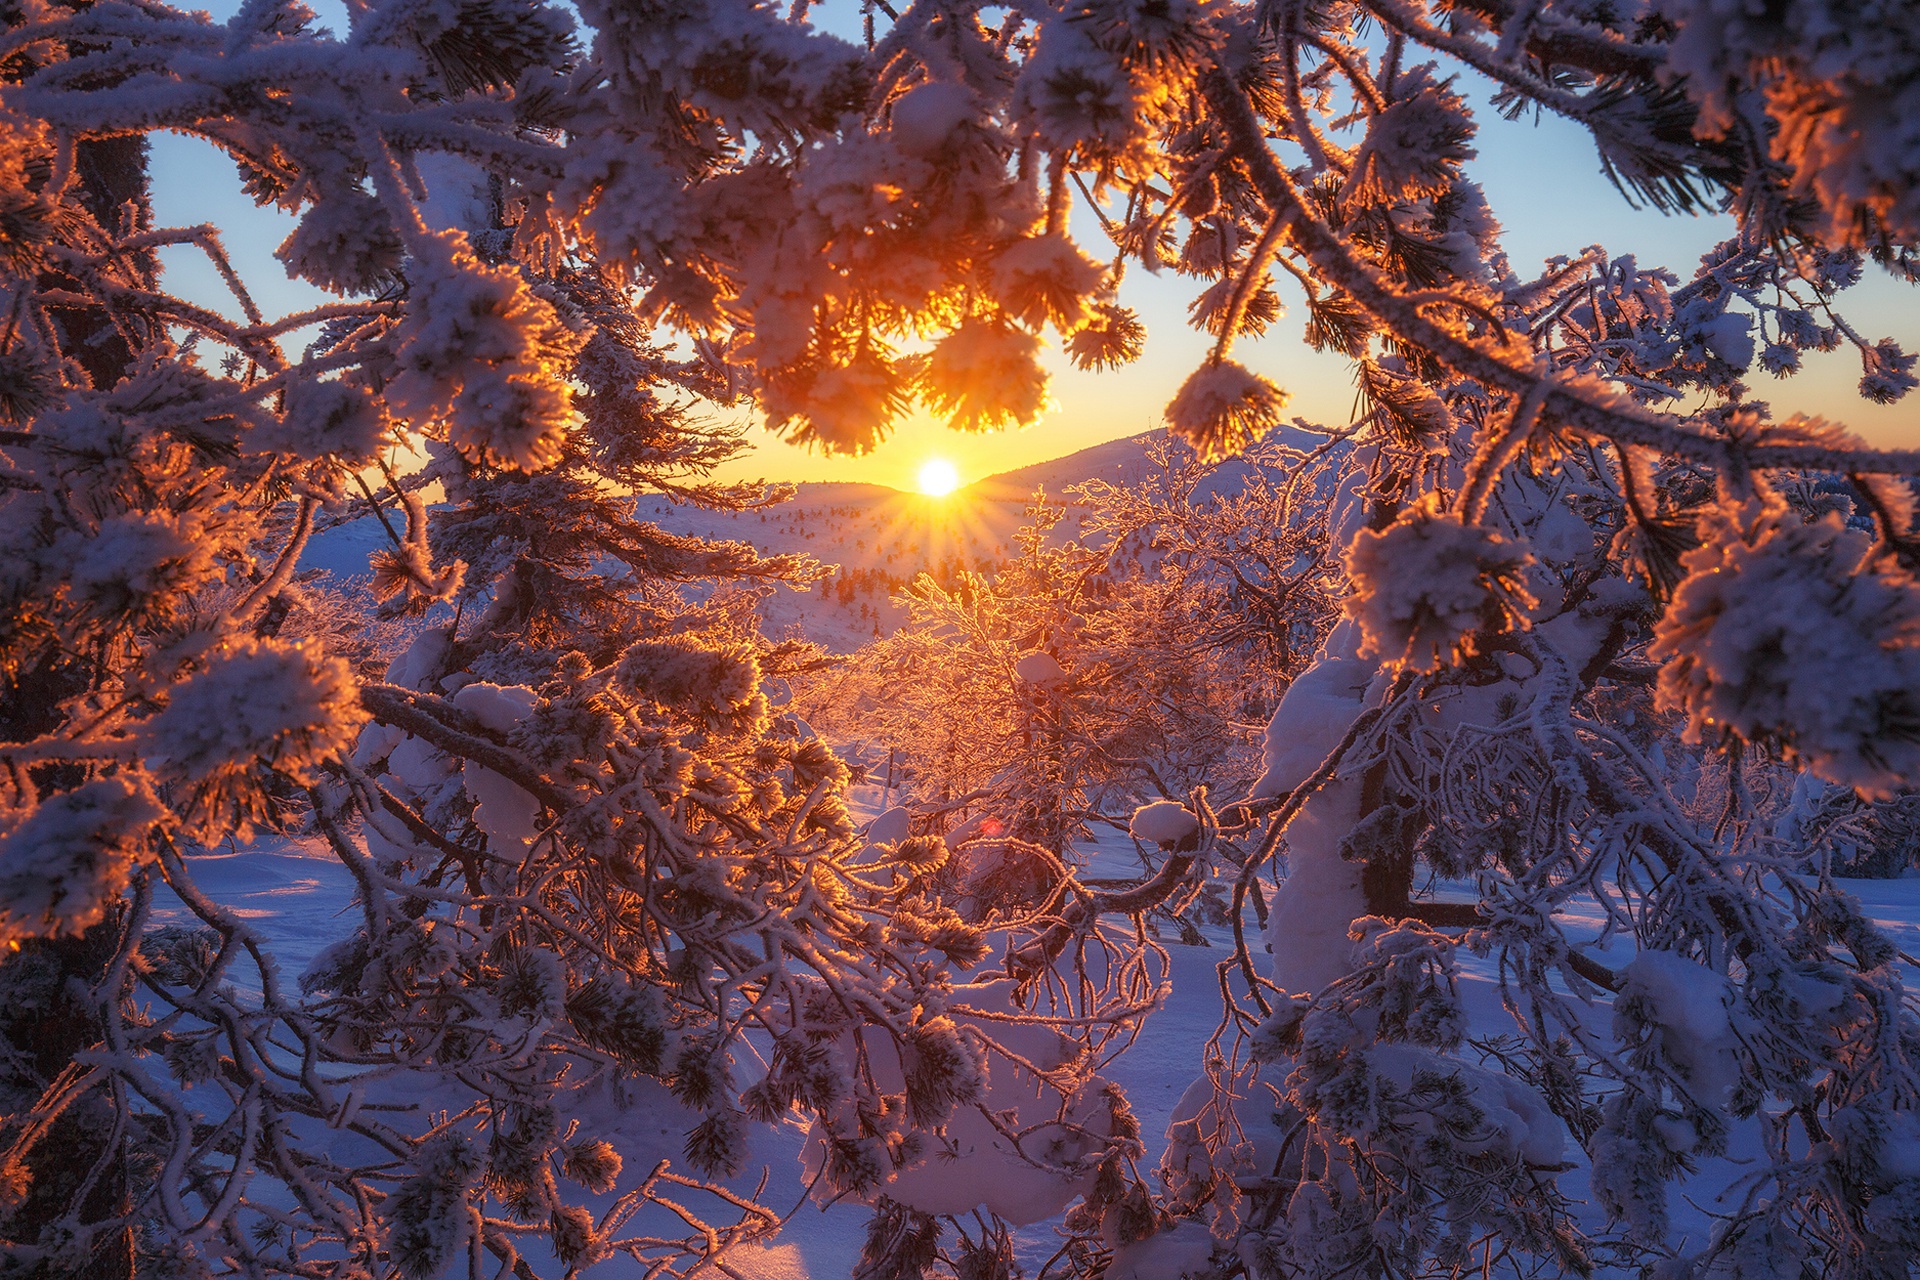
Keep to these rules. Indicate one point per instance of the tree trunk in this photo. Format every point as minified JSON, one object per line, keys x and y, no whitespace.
{"x":78,"y":1171}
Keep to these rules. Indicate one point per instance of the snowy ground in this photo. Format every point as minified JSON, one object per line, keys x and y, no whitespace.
{"x":299,"y":896}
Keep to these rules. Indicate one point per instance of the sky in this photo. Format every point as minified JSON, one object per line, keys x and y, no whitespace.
{"x":1543,"y":181}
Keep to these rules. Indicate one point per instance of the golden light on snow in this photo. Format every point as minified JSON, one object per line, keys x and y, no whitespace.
{"x":938,"y":477}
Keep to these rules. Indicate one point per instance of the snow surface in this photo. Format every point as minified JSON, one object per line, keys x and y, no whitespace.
{"x":299,"y":896}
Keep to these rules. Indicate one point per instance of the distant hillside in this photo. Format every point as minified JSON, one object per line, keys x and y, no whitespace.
{"x":877,"y":538}
{"x":1116,"y":461}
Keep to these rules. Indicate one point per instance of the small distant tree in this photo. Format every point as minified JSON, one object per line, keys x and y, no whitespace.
{"x":1870,"y":839}
{"x":974,"y":689}
{"x":1078,"y":679}
{"x":1224,"y":576}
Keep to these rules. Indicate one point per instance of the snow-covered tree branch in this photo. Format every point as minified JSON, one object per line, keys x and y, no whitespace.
{"x":1581,"y":615}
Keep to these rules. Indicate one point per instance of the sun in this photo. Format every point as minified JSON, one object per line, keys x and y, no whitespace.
{"x":938,"y":477}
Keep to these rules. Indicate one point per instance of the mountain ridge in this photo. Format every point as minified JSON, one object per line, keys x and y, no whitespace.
{"x":1109,"y":460}
{"x":875,"y":538}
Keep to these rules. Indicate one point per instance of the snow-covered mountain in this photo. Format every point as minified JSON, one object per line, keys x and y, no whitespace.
{"x":880,"y":539}
{"x":877,"y":538}
{"x":1116,"y":461}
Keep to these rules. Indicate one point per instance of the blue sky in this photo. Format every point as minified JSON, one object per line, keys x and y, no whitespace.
{"x":1543,"y":182}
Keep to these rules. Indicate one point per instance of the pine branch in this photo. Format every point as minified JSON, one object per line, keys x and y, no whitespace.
{"x":458,"y":734}
{"x":1592,"y":49}
{"x":1565,"y":403}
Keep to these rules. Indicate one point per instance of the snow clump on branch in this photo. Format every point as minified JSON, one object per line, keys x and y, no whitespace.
{"x":343,"y":243}
{"x":288,"y":707}
{"x":1164,"y":822}
{"x":986,"y":375}
{"x":1046,"y":279}
{"x":1429,"y":589}
{"x":334,"y":419}
{"x":481,"y":351}
{"x":1834,"y":76}
{"x":922,"y":120}
{"x":1415,"y":148}
{"x":1784,"y":631}
{"x":135,"y":569}
{"x":718,"y":686}
{"x":844,"y":408}
{"x":1040,"y":669}
{"x":1082,"y":101}
{"x":1223,"y":407}
{"x":64,"y":860}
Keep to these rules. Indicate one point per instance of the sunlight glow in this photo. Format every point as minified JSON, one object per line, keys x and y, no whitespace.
{"x":938,"y":477}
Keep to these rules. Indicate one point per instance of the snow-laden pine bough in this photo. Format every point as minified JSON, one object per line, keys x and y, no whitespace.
{"x":1583,"y":638}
